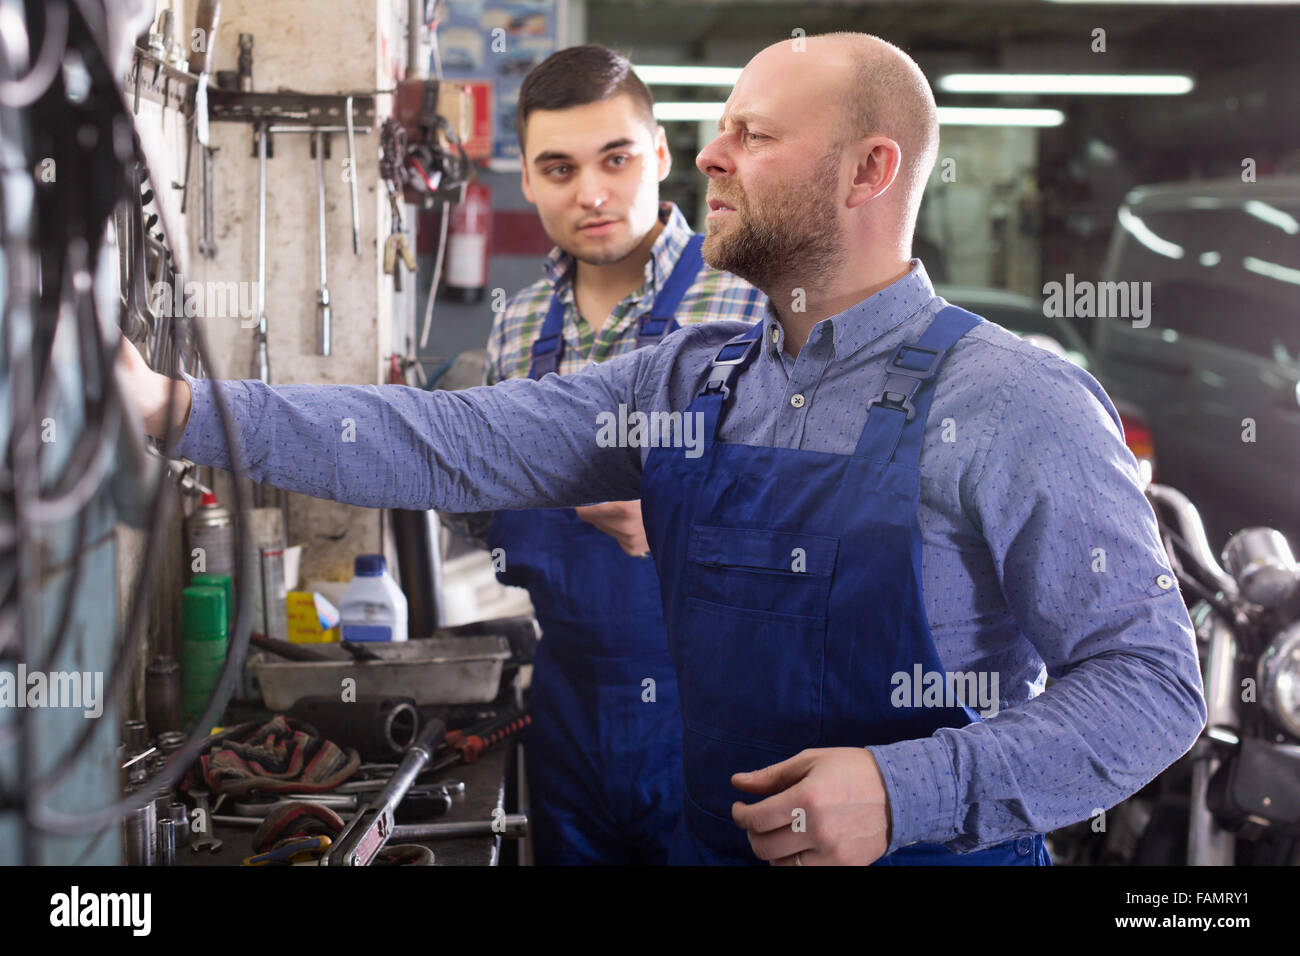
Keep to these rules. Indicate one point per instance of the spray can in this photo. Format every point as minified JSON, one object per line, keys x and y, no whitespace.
{"x":211,"y":529}
{"x":226,"y":583}
{"x":203,"y":647}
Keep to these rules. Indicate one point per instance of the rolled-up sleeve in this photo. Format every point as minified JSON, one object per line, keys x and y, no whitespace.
{"x":516,"y":444}
{"x":1055,"y":494}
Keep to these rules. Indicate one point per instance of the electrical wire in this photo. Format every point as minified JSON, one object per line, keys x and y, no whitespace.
{"x":461,"y":170}
{"x":59,"y":823}
{"x":26,"y":90}
{"x":445,"y":218}
{"x":100,"y":343}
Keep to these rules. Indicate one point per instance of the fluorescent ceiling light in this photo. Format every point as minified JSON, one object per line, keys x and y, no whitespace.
{"x":948,"y":115}
{"x":700,"y":112}
{"x":1113,"y":84}
{"x":688,"y":75}
{"x":998,"y":116}
{"x":1217,"y":3}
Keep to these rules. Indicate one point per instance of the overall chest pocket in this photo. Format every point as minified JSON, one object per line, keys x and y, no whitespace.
{"x":751,"y":639}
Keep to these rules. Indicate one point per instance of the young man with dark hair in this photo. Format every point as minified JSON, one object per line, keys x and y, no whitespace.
{"x":604,"y":751}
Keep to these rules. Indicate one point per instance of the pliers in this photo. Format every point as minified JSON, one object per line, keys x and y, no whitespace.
{"x":295,"y":851}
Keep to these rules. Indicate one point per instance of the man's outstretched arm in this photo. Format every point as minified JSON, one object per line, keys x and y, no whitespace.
{"x":518,"y":444}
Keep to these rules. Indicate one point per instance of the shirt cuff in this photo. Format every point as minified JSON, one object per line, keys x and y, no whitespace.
{"x":204,"y":439}
{"x":922,"y":789}
{"x":199,"y":396}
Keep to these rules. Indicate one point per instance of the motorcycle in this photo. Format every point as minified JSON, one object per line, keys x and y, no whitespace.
{"x":1234,"y":798}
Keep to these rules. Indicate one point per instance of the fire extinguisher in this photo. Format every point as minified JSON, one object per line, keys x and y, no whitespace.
{"x":465,"y":271}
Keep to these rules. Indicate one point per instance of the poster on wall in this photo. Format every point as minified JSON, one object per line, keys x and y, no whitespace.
{"x":491,"y":45}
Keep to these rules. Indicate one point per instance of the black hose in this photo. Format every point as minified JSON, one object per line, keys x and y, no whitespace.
{"x":73,"y":220}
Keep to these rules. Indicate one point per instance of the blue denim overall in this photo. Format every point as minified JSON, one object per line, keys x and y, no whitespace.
{"x":604,"y":759}
{"x":792,"y":583}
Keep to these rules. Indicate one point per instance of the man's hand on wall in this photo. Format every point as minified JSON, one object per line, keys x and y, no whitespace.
{"x":148,"y":391}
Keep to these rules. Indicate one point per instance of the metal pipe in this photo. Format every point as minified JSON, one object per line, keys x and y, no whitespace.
{"x":414,"y":26}
{"x":315,"y":129}
{"x":417,"y":539}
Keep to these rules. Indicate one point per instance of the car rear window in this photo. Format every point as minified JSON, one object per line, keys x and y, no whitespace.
{"x":1228,"y":275}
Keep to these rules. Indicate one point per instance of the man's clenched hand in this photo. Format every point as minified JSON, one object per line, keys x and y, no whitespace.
{"x":621,"y":520}
{"x":828,"y":807}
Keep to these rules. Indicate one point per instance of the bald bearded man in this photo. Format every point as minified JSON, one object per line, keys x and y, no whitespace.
{"x":885,"y":543}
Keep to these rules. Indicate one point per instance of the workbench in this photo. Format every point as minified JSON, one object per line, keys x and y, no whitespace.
{"x":489,"y":785}
{"x":492,"y":783}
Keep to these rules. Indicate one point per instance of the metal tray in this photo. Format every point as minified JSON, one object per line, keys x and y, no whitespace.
{"x":439,"y":670}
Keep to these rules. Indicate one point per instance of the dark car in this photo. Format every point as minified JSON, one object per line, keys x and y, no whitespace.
{"x":1216,"y":359}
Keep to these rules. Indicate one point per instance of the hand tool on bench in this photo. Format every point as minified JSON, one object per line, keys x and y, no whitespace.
{"x":422,"y":804}
{"x":509,"y":824}
{"x":287,"y":650}
{"x":296,"y":851}
{"x":370,"y":829}
{"x":459,"y":746}
{"x":359,"y":651}
{"x":466,"y":745}
{"x":203,"y":839}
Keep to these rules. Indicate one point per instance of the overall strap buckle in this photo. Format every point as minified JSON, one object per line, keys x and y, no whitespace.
{"x":727,"y":364}
{"x":651,"y":328}
{"x":661,"y":319}
{"x":546,"y":354}
{"x":908,"y":368}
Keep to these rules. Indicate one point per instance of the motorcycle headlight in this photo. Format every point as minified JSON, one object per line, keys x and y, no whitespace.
{"x":1261,"y":561}
{"x":1279,"y":678}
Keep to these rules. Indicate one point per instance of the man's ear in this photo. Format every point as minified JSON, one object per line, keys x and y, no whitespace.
{"x":524,"y":183}
{"x":876,"y":162}
{"x":662,"y":153}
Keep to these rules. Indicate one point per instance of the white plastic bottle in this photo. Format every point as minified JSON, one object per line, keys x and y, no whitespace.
{"x":373,"y":606}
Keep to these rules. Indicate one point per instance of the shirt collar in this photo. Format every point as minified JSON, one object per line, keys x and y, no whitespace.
{"x":667,"y":248}
{"x":861,"y":324}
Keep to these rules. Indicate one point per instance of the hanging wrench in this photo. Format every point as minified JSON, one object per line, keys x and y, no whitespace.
{"x":352,"y":180}
{"x":207,"y":243}
{"x":323,"y":296}
{"x":261,"y":357}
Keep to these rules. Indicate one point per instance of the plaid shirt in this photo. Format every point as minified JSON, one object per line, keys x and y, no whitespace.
{"x":713,"y":295}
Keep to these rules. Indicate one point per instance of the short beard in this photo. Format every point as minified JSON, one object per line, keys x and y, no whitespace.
{"x":793,"y":236}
